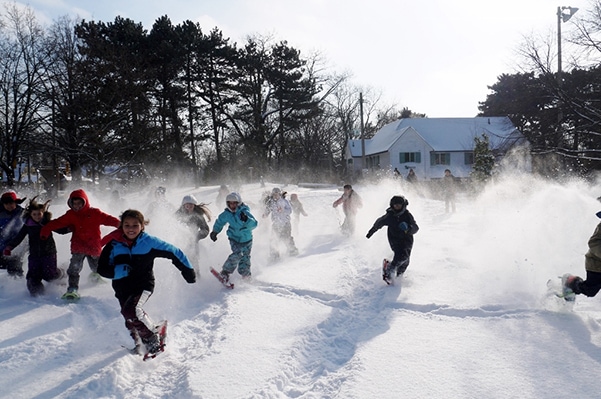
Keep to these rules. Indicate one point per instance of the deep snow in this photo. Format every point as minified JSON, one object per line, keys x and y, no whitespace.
{"x":471,"y":318}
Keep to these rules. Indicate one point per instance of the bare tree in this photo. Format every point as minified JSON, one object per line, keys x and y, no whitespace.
{"x":21,"y":77}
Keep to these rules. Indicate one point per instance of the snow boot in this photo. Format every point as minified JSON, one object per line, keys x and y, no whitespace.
{"x":570,"y":286}
{"x":152,"y":344}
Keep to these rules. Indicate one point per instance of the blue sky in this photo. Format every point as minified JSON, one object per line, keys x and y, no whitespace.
{"x":435,"y":57}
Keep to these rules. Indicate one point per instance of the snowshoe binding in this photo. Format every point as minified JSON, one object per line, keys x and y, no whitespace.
{"x":156,"y":343}
{"x":567,"y":284}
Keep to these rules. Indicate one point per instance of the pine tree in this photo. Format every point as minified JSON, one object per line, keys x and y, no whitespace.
{"x":484,"y":160}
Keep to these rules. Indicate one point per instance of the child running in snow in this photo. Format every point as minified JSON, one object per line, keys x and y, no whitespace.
{"x":128,"y":259}
{"x":280,"y":209}
{"x":195,"y":216}
{"x":10,"y":223}
{"x":42,"y":253}
{"x":84,"y":221}
{"x":239,"y":232}
{"x":297,"y":210}
{"x":351,"y":202}
{"x":401,"y":228}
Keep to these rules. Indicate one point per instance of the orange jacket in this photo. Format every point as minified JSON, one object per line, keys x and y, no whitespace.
{"x":84,"y":224}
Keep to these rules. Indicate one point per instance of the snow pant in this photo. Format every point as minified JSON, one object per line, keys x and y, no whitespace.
{"x":400,"y":261}
{"x":41,"y":268}
{"x":589,"y":287}
{"x":449,"y":202}
{"x":348,"y":226}
{"x":282,"y":233}
{"x":137,"y":320}
{"x":239,"y":258}
{"x":12,"y":264}
{"x":75,"y":266}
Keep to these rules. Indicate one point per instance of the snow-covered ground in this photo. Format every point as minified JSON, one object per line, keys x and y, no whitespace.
{"x":471,"y":318}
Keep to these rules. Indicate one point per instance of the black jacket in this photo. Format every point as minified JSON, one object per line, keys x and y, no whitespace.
{"x":393,"y":220}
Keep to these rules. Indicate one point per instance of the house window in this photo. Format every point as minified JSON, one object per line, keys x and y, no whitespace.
{"x":405,"y":157}
{"x":440,"y":158}
{"x":469,"y":158}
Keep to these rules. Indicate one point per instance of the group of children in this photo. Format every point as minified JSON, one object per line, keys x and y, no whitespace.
{"x":127,"y":254}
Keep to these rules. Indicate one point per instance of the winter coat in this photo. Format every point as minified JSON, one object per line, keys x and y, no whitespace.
{"x":297,"y":208}
{"x":10,"y":224}
{"x":85,"y":225}
{"x":592,"y":259}
{"x":195,"y":220}
{"x":393,"y":220}
{"x":237,"y":230}
{"x":280,"y":211}
{"x":350,"y":203}
{"x":37,"y":246}
{"x":130,"y":263}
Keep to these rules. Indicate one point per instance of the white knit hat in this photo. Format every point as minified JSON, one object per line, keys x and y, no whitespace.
{"x":190,"y":199}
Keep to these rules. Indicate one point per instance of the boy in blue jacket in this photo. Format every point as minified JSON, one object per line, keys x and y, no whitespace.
{"x":241,"y":224}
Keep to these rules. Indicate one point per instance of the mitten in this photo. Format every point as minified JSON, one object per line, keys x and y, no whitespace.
{"x":404,"y":226}
{"x":370,"y":233}
{"x":243,"y":216}
{"x":189,"y":275}
{"x":7,"y":251}
{"x":213,"y":236}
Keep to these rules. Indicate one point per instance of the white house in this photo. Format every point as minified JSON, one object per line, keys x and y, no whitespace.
{"x":431,"y":145}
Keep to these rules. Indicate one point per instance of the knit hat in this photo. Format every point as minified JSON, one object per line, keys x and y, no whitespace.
{"x":233,"y":197}
{"x":11,"y":196}
{"x":276,"y":190}
{"x":189,"y":199}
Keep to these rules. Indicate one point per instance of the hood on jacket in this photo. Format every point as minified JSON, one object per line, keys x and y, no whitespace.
{"x":79,"y":194}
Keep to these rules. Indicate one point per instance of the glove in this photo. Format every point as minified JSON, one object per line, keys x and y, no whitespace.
{"x":189,"y":275}
{"x":404,"y":226}
{"x":213,"y":236}
{"x":243,"y":216}
{"x":370,"y":233}
{"x":7,"y":251}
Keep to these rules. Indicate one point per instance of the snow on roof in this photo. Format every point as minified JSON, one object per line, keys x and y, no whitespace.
{"x":444,"y":134}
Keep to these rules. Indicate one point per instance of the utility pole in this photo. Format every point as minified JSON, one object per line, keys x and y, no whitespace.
{"x":363,"y":166}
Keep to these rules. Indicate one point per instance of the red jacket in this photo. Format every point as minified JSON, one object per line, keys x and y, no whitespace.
{"x":85,"y":225}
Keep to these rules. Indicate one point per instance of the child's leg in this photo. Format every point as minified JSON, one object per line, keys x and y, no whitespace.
{"x":75,"y":266}
{"x":93,"y":263}
{"x":244,"y":263}
{"x":34,"y":276}
{"x":400,"y":262}
{"x":233,"y":260}
{"x":136,"y":319}
{"x":49,"y":270}
{"x":591,"y":286}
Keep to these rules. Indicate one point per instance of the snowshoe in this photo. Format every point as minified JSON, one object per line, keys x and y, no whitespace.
{"x":95,"y":278}
{"x":71,"y":295}
{"x":386,"y":273}
{"x":156,"y":344}
{"x":223,"y":277}
{"x":567,"y":293}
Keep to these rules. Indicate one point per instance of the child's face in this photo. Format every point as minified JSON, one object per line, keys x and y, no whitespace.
{"x":10,"y":206}
{"x":232,"y":205}
{"x":76,"y":204}
{"x":132,"y":228}
{"x":189,"y":207}
{"x":37,"y":215}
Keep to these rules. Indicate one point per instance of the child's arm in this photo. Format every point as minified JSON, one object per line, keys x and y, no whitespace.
{"x":16,"y":240}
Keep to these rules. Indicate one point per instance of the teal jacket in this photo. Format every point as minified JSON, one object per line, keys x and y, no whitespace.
{"x":238,"y":230}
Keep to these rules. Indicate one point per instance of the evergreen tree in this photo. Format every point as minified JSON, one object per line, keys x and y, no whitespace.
{"x":484,"y":160}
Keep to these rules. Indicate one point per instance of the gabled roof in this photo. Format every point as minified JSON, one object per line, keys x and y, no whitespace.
{"x":445,"y":134}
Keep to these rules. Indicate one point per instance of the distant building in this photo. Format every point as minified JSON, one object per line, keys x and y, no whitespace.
{"x":431,"y":145}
